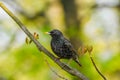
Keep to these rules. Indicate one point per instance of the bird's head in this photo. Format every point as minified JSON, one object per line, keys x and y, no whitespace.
{"x":55,"y":33}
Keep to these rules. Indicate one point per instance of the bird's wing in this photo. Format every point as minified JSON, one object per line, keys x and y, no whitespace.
{"x":68,"y":45}
{"x":72,"y":50}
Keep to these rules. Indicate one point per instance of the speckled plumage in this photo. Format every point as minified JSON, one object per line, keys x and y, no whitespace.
{"x":62,"y":47}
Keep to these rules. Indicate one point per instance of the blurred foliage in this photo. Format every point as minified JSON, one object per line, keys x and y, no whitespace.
{"x":85,"y":22}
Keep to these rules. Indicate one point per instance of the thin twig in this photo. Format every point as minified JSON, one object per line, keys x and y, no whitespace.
{"x":55,"y":71}
{"x":97,"y":68}
{"x":41,"y":48}
{"x":89,"y":49}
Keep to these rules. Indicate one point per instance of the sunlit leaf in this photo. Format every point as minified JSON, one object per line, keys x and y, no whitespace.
{"x":82,"y":50}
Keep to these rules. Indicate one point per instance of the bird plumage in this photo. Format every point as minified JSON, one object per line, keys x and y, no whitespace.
{"x":62,"y":47}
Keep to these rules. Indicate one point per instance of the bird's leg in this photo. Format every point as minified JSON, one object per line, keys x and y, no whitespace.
{"x":67,"y":63}
{"x":59,"y":59}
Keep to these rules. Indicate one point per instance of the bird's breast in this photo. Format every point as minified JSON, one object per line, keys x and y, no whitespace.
{"x":55,"y":44}
{"x":60,"y":49}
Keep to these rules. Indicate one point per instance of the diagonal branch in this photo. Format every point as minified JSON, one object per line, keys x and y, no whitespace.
{"x":41,"y":48}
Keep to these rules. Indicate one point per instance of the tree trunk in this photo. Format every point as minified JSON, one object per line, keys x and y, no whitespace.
{"x":71,"y":21}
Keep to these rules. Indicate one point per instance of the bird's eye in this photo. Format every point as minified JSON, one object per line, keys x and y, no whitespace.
{"x":52,"y":32}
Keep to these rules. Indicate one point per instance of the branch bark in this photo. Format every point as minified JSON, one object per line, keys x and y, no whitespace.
{"x":41,"y":48}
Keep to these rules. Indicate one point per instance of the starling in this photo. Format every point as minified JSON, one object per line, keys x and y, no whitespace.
{"x":62,"y":47}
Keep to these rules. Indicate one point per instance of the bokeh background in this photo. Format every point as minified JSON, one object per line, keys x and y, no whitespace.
{"x":88,"y":22}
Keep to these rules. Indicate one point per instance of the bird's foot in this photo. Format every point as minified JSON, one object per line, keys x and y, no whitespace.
{"x":57,"y":59}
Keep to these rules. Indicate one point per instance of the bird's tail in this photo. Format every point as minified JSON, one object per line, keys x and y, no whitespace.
{"x":77,"y":61}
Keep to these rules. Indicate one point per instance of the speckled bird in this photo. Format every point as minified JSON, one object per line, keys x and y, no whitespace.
{"x":62,"y":47}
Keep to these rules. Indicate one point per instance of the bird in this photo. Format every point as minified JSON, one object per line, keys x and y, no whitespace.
{"x":62,"y":47}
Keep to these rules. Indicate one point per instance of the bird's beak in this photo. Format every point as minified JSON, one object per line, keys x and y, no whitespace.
{"x":47,"y":32}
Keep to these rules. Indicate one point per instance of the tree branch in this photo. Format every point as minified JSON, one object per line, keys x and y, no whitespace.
{"x":41,"y":48}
